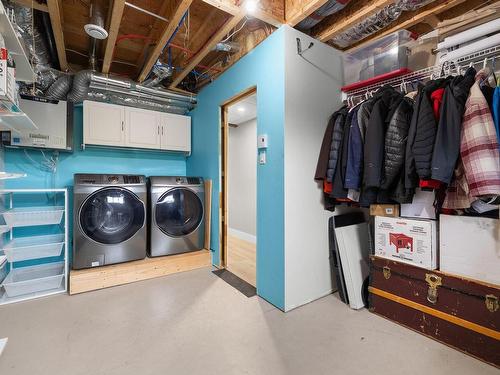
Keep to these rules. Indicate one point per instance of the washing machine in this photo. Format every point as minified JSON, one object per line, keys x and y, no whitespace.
{"x":110,"y":215}
{"x":176,"y":221}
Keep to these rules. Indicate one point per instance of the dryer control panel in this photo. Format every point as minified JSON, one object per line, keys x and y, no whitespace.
{"x":111,"y":179}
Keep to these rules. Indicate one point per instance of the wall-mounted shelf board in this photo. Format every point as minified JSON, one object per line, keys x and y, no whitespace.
{"x":24,"y":71}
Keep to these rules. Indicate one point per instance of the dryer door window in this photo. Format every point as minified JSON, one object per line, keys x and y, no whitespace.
{"x":112,"y":215}
{"x":178,"y":212}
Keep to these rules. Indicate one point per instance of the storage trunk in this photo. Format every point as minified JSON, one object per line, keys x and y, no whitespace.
{"x":456,"y":311}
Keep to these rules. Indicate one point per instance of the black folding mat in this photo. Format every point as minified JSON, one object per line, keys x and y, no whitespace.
{"x":237,"y":283}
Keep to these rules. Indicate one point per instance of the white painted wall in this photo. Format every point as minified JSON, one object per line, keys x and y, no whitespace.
{"x":242,"y":180}
{"x":312,"y":94}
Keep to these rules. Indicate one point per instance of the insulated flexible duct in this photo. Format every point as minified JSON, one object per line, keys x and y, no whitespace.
{"x":80,"y":88}
{"x":35,"y":44}
{"x":326,"y":10}
{"x":60,"y":88}
{"x":378,"y":21}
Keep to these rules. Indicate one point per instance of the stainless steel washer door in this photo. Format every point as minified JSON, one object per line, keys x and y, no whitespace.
{"x":178,"y":212}
{"x":112,"y":215}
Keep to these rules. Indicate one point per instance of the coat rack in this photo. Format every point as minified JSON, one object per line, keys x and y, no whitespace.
{"x":483,"y":57}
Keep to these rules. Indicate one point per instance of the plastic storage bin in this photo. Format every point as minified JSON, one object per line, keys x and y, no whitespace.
{"x":26,"y":248}
{"x":33,"y":279}
{"x":379,"y":57}
{"x":30,"y":216}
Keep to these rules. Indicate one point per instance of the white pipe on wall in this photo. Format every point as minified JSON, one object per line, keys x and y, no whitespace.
{"x":471,"y":34}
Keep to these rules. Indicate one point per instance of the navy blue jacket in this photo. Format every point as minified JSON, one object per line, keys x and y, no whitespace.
{"x":354,"y":155}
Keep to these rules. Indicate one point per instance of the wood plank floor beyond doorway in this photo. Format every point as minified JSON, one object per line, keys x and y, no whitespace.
{"x":241,"y":259}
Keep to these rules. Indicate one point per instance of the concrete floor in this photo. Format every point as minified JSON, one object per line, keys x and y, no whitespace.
{"x":194,"y":323}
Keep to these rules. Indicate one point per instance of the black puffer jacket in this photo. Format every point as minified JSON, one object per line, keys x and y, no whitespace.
{"x":338,"y":132}
{"x":395,"y":142}
{"x":338,"y":190}
{"x":382,"y":112}
{"x":447,"y":146}
{"x":425,"y":131}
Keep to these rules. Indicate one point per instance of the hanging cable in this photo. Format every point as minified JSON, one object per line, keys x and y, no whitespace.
{"x":235,"y":32}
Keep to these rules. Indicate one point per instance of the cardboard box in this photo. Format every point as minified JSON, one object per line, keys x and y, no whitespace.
{"x":470,"y":247}
{"x":389,"y":210}
{"x":422,"y":206}
{"x":407,"y":240}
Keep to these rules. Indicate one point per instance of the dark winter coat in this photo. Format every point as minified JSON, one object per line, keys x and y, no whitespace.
{"x":337,"y":135}
{"x":324,"y":153}
{"x":425,"y":130}
{"x":395,"y":142}
{"x":447,"y":145}
{"x":355,"y":154}
{"x":384,"y":107}
{"x":338,"y":190}
{"x":365,"y":109}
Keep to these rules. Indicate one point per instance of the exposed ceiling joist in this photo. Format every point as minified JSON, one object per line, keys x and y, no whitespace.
{"x":298,"y":10}
{"x":409,"y":19}
{"x":55,"y":12}
{"x":269,"y":11}
{"x":114,"y":27}
{"x":32,"y":4}
{"x":355,"y":12}
{"x":166,"y":35}
{"x":216,"y":38}
{"x":166,"y":7}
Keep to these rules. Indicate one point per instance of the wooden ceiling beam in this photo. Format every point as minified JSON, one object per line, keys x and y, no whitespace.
{"x":166,"y":9}
{"x":166,"y":35}
{"x":114,"y":27}
{"x":355,"y":12}
{"x":55,"y":12}
{"x":209,"y":45}
{"x":298,"y":10}
{"x":29,"y":4}
{"x":409,"y":19}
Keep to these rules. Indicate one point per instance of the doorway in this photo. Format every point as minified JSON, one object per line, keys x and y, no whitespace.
{"x":239,"y":186}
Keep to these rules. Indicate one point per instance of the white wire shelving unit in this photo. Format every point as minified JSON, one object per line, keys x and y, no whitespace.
{"x":48,"y":251}
{"x":480,"y":57}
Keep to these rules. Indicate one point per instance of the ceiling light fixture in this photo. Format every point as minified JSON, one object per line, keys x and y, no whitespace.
{"x":241,"y":109}
{"x":251,"y":6}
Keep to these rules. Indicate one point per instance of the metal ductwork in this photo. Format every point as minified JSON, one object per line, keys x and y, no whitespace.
{"x":378,"y":21}
{"x":95,"y":29}
{"x":159,"y":73}
{"x":60,"y":88}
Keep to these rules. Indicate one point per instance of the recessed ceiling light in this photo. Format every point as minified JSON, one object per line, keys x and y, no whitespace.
{"x":251,"y":6}
{"x":241,"y":109}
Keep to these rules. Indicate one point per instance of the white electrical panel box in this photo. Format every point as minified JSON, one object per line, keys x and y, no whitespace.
{"x":54,"y":120}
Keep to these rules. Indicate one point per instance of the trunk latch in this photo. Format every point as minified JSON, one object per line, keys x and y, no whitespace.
{"x":491,"y":303}
{"x":434,"y":281}
{"x":387,"y":272}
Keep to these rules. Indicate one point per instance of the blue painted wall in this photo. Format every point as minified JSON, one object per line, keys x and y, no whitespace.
{"x":90,"y":160}
{"x":264,"y":68}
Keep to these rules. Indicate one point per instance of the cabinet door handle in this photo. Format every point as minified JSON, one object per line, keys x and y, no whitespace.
{"x":158,"y":129}
{"x":122,"y":126}
{"x":162,"y":130}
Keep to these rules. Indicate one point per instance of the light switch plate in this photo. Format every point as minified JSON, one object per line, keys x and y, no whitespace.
{"x":262,"y":157}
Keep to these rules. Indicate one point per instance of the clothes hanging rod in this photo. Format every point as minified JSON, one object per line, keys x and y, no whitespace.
{"x":488,"y":54}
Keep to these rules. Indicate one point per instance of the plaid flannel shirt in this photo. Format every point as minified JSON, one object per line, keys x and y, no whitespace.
{"x":478,"y":170}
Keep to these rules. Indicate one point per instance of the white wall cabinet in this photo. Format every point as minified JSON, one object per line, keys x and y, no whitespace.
{"x":175,"y":132}
{"x":116,"y":125}
{"x":142,"y":128}
{"x":103,"y":124}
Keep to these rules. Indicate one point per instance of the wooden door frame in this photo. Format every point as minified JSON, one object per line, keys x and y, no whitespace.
{"x":223,"y":170}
